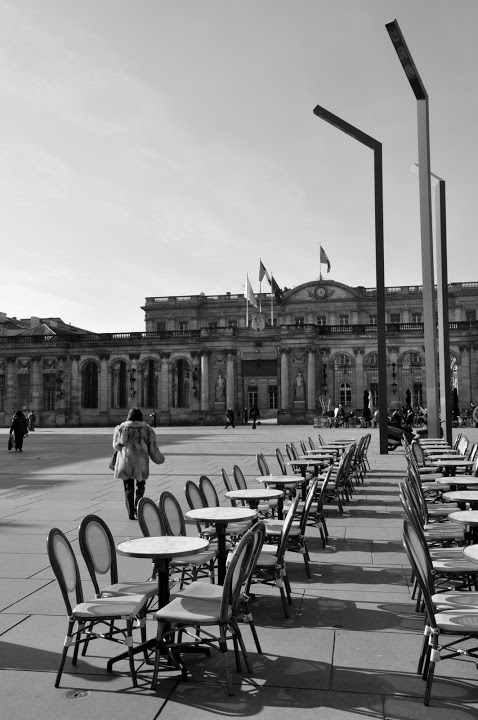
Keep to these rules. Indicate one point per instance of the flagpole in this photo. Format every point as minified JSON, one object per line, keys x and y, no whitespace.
{"x":320,"y":264}
{"x":260,"y":291}
{"x":247,"y":300}
{"x":272,"y":303}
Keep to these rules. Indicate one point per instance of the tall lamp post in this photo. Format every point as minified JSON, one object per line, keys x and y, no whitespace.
{"x":429,"y":322}
{"x":376,"y":146}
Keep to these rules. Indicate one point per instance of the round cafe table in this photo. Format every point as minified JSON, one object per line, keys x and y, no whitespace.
{"x":462,"y":497}
{"x":450,"y":466}
{"x":220,"y":517}
{"x":471,"y":552}
{"x":468,"y":518}
{"x":161,"y":550}
{"x":304,"y":464}
{"x":254,"y":495}
{"x":318,"y":456}
{"x":455,"y":483}
{"x":281,"y":481}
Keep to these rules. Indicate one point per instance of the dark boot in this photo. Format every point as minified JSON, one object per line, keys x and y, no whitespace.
{"x":140,"y":487}
{"x":129,"y":497}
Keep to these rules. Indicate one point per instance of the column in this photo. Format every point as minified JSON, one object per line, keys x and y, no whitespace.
{"x":311,"y":379}
{"x":393,"y":378}
{"x":284,"y":378}
{"x":230,"y":394}
{"x":163,"y":393}
{"x":10,"y":387}
{"x":205,"y":380}
{"x":36,"y":384}
{"x":103,"y":384}
{"x":359,"y":382}
{"x":75,"y":391}
{"x":133,"y":380}
{"x":464,"y":379}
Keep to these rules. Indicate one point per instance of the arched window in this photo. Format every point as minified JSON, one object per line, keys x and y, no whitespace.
{"x":372,"y":377}
{"x":345,"y":393}
{"x":412,"y":378}
{"x":181,"y":384}
{"x":89,"y":385}
{"x":149,"y":384}
{"x":343,"y":379}
{"x":119,"y":393}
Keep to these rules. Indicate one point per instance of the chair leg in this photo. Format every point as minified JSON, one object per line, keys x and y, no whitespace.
{"x":129,"y":643}
{"x":224,"y":651}
{"x":66,"y":645}
{"x":245,"y":654}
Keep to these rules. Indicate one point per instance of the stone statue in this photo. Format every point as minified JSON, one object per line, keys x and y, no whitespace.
{"x":299,"y":387}
{"x":220,"y":389}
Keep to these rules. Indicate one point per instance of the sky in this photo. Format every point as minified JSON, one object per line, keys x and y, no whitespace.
{"x":164,"y":147}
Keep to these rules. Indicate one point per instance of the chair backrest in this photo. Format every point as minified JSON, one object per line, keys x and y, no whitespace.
{"x":419,"y":559}
{"x":295,"y":454}
{"x":208,"y":490}
{"x":457,"y":440}
{"x":311,"y":444}
{"x":171,"y":514}
{"x":473,"y":452}
{"x":98,"y":549}
{"x":149,"y":518}
{"x":418,"y":453}
{"x":195,"y":499}
{"x":258,"y":531}
{"x":308,"y":504}
{"x":280,"y":460}
{"x":289,"y":452}
{"x":321,"y":440}
{"x":239,"y":478}
{"x":463,"y":445}
{"x":64,"y":565}
{"x":286,"y":526}
{"x":262,"y":464}
{"x":227,"y":484}
{"x":235,"y":574}
{"x":303,"y":447}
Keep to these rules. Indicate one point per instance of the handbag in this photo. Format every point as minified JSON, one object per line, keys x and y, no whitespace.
{"x":113,"y":460}
{"x":10,"y":442}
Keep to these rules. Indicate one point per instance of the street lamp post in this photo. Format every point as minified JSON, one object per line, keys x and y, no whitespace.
{"x":376,"y":146}
{"x":429,"y":321}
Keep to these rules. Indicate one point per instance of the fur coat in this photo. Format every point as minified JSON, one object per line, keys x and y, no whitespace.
{"x":135,"y":442}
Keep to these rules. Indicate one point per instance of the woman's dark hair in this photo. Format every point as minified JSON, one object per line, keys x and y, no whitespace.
{"x":18,"y":414}
{"x":135,"y":414}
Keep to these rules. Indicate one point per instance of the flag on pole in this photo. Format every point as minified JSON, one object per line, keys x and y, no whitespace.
{"x":275,"y":289}
{"x":248,"y":294}
{"x":324,"y":259}
{"x":262,"y":272}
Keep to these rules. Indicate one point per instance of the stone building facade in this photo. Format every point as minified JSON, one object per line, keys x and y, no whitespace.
{"x":197,"y":356}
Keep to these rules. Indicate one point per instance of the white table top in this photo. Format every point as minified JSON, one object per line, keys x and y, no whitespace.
{"x":281,"y":479}
{"x":467,"y":517}
{"x":222,"y":514}
{"x":461,"y":495}
{"x":458,"y":480}
{"x":471,"y":552}
{"x":254,"y":494}
{"x":318,"y":456}
{"x":441,"y":451}
{"x":306,"y":462}
{"x":459,"y":462}
{"x":165,"y":546}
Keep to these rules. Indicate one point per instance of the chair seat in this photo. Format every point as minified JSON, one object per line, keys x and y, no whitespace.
{"x":118,"y":606}
{"x":201,"y":591}
{"x":455,"y":600}
{"x":456,"y":566}
{"x":191,"y":611}
{"x":198,"y":559}
{"x":149,"y":589}
{"x":459,"y":621}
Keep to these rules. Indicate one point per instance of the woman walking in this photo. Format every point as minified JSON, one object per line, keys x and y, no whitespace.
{"x":135,"y":442}
{"x":19,"y":428}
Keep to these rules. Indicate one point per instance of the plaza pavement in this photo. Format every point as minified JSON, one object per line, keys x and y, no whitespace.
{"x":349,"y":649}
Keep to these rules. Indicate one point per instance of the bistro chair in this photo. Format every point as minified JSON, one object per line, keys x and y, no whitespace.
{"x":206,"y":591}
{"x":270,"y":566}
{"x":209,"y":622}
{"x":83,"y":616}
{"x":99,"y":553}
{"x":192,"y":566}
{"x":150,"y":520}
{"x":444,"y":628}
{"x":264,"y":508}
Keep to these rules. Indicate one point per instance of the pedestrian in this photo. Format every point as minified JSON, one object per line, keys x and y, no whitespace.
{"x":19,"y":428}
{"x":135,"y":442}
{"x":153,"y":418}
{"x":31,"y":417}
{"x":230,"y":418}
{"x":254,"y":415}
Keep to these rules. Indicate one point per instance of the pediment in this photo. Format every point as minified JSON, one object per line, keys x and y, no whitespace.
{"x":321,"y":290}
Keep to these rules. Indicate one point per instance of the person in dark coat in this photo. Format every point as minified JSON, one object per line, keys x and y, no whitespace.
{"x":254,"y":415}
{"x":19,"y":428}
{"x":230,"y":418}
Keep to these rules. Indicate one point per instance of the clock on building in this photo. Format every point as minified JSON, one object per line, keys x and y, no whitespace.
{"x":320,"y":292}
{"x":258,"y":321}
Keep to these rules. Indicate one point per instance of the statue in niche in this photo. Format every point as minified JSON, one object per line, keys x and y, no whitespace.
{"x":220,"y":389}
{"x":299,"y":387}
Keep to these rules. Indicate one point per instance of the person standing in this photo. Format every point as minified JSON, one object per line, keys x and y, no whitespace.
{"x":19,"y":428}
{"x":31,"y":417}
{"x":230,"y":418}
{"x":135,"y":442}
{"x":254,"y":415}
{"x":153,"y":418}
